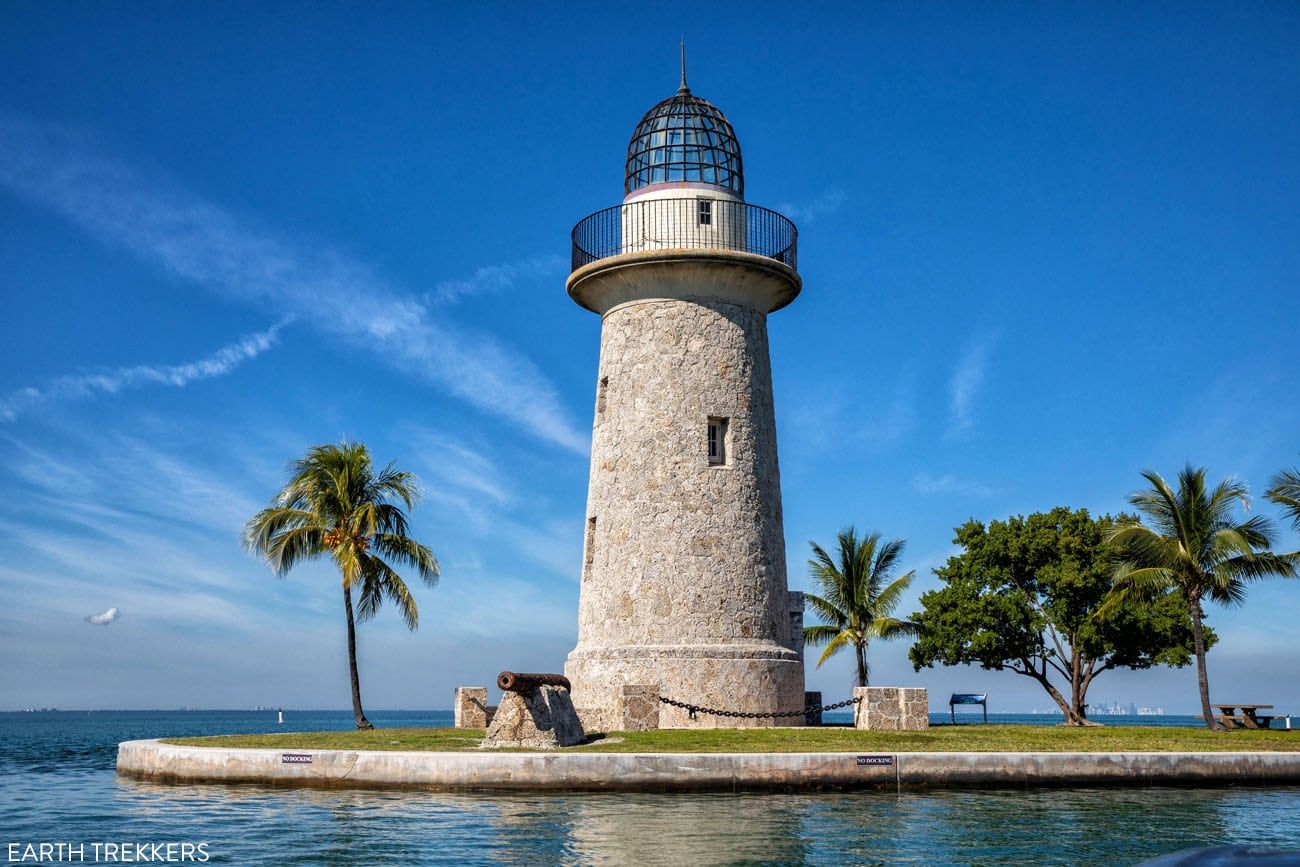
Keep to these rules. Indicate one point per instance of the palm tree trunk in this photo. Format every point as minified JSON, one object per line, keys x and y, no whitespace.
{"x":362,"y":722}
{"x":861,"y":653}
{"x":1202,"y":679}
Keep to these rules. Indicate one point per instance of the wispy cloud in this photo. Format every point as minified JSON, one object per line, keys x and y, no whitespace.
{"x":198,"y":241}
{"x":807,"y":212}
{"x":950,"y":484}
{"x":83,"y":385}
{"x":967,"y":379}
{"x":491,"y":279}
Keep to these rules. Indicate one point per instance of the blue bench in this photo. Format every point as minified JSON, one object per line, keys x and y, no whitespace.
{"x":979,"y":698}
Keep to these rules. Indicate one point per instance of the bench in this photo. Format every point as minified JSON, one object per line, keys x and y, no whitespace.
{"x":1249,"y":718}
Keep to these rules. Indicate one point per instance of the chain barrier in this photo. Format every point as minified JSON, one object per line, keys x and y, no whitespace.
{"x":693,"y":709}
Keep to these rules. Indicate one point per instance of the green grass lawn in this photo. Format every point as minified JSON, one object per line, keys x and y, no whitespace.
{"x":960,"y":738}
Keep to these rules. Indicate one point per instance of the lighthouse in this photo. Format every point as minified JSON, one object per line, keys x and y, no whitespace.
{"x":683,"y":586}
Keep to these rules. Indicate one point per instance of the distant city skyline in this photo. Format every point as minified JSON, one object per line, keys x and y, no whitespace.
{"x":1043,"y":249}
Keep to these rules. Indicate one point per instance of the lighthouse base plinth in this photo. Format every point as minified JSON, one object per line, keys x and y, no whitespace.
{"x":761,"y":679}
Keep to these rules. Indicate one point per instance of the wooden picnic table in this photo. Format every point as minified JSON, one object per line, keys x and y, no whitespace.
{"x":1250,"y":718}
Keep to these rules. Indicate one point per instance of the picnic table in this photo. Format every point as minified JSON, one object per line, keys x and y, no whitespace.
{"x":1250,"y":718}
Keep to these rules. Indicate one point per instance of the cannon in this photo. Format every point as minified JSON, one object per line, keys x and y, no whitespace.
{"x":525,"y":683}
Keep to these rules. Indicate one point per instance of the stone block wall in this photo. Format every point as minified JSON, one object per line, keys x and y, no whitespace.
{"x":891,"y":709}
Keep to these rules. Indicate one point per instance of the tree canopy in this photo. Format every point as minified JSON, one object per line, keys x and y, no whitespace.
{"x":1023,"y":596}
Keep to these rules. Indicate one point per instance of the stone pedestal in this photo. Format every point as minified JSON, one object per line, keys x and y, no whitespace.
{"x":471,"y":707}
{"x":540,"y":720}
{"x":891,"y":709}
{"x":638,"y":709}
{"x":812,"y":699}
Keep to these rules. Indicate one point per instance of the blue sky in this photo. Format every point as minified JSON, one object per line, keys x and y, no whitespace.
{"x":1043,"y":246}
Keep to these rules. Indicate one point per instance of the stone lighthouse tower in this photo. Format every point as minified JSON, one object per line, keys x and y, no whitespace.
{"x":684,"y":573}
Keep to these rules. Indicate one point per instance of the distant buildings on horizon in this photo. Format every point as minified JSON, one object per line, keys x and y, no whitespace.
{"x":1112,"y":709}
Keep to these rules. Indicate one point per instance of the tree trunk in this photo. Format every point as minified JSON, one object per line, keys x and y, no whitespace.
{"x":1076,"y":685}
{"x":362,"y":722}
{"x":1202,"y":679}
{"x":1072,"y":716}
{"x":861,"y":653}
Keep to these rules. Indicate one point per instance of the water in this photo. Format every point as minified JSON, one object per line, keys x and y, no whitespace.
{"x":57,"y":784}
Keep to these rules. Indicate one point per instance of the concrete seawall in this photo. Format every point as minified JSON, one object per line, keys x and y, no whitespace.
{"x":154,"y":760}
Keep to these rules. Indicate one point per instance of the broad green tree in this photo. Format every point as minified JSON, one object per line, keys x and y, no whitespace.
{"x":1022,"y":596}
{"x":1284,"y":490}
{"x":857,"y":596}
{"x":1194,"y":545}
{"x":336,"y":505}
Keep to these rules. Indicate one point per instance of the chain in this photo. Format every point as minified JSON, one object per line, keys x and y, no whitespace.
{"x":693,"y":709}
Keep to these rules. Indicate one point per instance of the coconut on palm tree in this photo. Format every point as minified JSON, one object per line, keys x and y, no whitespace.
{"x":858,"y":595}
{"x":335,"y":505}
{"x":1194,"y":545}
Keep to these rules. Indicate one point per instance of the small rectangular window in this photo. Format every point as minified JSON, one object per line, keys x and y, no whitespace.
{"x":717,"y":443}
{"x":706,"y":212}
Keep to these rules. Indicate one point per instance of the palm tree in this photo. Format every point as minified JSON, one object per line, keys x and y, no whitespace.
{"x":1194,"y":546}
{"x":335,"y":504}
{"x":857,"y":596}
{"x":1285,"y":492}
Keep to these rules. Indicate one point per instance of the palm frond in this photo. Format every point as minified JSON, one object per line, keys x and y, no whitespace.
{"x":844,"y":638}
{"x":1284,"y":491}
{"x":819,"y":634}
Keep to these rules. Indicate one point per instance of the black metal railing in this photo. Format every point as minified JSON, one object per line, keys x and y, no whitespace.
{"x":700,"y":224}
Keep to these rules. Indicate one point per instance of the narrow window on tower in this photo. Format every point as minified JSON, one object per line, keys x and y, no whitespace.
{"x":706,"y":212}
{"x":589,"y":549}
{"x":717,"y":442}
{"x":600,"y":395}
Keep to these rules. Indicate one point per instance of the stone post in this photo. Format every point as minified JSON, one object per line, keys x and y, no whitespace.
{"x":812,"y":699}
{"x":471,"y":707}
{"x":891,"y":709}
{"x":638,"y":708}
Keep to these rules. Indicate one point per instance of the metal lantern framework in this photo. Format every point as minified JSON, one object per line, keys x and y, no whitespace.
{"x":684,"y":139}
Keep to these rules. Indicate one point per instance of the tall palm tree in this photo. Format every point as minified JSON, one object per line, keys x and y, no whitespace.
{"x":1284,"y":490}
{"x":336,"y":505}
{"x":857,"y":597}
{"x":1194,"y":546}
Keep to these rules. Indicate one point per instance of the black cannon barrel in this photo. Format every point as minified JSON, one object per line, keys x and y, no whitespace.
{"x":520,"y":682}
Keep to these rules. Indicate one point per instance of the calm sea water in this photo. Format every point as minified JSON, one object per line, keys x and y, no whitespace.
{"x":57,"y":783}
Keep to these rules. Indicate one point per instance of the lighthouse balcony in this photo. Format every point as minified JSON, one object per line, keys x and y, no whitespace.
{"x":698,"y":223}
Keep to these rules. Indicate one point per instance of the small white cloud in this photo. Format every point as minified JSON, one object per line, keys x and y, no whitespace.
{"x":104,"y":619}
{"x":950,"y":484}
{"x":494,"y":278}
{"x":827,"y":203}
